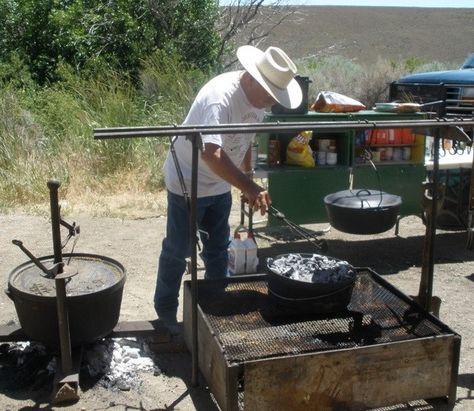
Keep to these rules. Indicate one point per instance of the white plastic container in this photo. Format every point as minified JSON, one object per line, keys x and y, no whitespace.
{"x":321,"y":158}
{"x":236,"y":256}
{"x":251,"y":257}
{"x":406,"y":153}
{"x":398,"y":154}
{"x":331,"y":159}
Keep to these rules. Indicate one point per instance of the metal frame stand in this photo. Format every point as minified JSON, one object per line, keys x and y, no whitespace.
{"x":196,"y":131}
{"x":70,"y":357}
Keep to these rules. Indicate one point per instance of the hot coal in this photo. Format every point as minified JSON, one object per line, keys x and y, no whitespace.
{"x":24,"y":365}
{"x":311,"y":268}
{"x":117,"y":362}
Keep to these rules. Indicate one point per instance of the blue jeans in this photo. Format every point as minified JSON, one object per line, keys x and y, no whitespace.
{"x":212,"y":218}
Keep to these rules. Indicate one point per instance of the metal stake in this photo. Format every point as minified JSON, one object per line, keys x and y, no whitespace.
{"x":196,"y":142}
{"x":60,"y":283}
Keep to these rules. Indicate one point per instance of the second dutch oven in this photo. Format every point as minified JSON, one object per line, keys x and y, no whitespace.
{"x":362,"y":211}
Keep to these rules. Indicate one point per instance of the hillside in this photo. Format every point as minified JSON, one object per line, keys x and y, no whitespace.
{"x":366,"y":33}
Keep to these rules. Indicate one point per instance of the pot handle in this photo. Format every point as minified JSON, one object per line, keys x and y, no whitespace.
{"x":9,"y":294}
{"x":362,"y":190}
{"x":49,"y":273}
{"x":318,"y":297}
{"x":368,"y":192}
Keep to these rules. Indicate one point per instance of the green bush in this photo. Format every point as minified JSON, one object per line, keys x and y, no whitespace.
{"x":114,"y":34}
{"x":48,"y":132}
{"x":341,"y":75}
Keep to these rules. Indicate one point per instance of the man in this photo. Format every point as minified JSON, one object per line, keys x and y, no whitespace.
{"x":234,"y":97}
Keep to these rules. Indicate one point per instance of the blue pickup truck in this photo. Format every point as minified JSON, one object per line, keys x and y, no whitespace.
{"x":455,"y":87}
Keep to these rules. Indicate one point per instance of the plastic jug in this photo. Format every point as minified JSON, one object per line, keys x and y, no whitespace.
{"x":236,"y":256}
{"x":251,"y":258}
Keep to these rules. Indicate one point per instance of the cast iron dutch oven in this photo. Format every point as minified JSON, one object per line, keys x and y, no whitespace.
{"x":316,"y":296}
{"x":362,"y":211}
{"x":94,"y":297}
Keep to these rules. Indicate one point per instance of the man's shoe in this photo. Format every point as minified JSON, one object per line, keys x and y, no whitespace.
{"x":168,"y":318}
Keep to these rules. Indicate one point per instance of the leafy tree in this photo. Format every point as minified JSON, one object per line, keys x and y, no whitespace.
{"x":26,"y":30}
{"x":115,"y":33}
{"x":188,"y":27}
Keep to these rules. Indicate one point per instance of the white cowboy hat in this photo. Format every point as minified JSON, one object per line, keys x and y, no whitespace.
{"x":274,"y":71}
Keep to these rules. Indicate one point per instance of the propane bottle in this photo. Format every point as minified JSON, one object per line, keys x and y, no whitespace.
{"x":236,"y":252}
{"x":251,"y":258}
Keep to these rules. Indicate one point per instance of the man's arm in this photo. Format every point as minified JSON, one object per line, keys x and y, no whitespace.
{"x":220,"y":163}
{"x":247,"y":162}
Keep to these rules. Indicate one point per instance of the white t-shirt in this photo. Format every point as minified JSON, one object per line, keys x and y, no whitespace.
{"x":220,"y":101}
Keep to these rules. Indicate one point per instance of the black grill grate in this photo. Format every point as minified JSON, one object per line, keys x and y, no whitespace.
{"x":250,"y":325}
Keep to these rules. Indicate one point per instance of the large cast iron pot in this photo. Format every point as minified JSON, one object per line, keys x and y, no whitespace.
{"x":93,"y":298}
{"x":304,"y":296}
{"x":362,"y":211}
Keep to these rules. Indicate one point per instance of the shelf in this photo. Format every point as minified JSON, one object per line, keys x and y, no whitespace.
{"x":263,"y":169}
{"x":386,"y":145}
{"x":389,"y":163}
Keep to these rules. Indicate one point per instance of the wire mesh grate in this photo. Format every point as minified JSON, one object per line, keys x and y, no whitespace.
{"x":250,"y":325}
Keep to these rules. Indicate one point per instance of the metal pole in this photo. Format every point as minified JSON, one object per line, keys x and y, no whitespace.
{"x":53,"y":186}
{"x":275,"y":127}
{"x":63,"y":319}
{"x":196,"y":139}
{"x":432,"y":223}
{"x":433,"y":216}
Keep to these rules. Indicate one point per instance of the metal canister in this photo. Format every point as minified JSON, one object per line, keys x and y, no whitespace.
{"x":406,"y":153}
{"x":273,"y":155}
{"x":398,"y":154}
{"x":254,"y":155}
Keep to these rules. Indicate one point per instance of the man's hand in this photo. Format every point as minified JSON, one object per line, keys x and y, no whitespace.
{"x":258,"y":198}
{"x":218,"y":161}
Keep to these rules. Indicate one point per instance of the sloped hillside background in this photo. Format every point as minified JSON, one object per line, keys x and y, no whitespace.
{"x":366,"y":33}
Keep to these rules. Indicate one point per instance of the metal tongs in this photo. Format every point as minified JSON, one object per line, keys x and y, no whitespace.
{"x":302,"y":232}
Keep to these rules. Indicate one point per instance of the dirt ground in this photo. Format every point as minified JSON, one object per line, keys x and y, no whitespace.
{"x":136,"y":244}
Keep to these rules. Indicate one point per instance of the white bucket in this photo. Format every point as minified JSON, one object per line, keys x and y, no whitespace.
{"x":321,"y":158}
{"x":331,"y":159}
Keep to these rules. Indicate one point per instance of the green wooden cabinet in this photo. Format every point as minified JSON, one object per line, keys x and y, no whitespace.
{"x":299,"y":192}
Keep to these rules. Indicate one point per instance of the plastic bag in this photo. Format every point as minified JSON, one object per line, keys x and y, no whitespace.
{"x":331,"y":102}
{"x":299,"y":152}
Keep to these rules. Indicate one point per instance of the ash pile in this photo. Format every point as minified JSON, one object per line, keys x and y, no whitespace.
{"x":110,"y":363}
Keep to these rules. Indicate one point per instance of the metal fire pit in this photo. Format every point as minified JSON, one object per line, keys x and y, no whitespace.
{"x":383,"y":350}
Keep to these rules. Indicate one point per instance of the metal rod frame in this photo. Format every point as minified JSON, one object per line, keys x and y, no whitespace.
{"x":278,"y":127}
{"x":194,"y":132}
{"x":60,"y":283}
{"x":194,"y":289}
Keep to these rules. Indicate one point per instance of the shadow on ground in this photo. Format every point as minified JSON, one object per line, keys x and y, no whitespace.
{"x":24,"y":376}
{"x":385,"y":254}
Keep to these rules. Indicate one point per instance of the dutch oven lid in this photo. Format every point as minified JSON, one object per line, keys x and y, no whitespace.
{"x":362,"y":199}
{"x":95,"y":273}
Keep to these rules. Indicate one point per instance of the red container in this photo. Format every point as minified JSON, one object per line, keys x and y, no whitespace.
{"x":398,"y":136}
{"x":382,"y":136}
{"x":407,"y":136}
